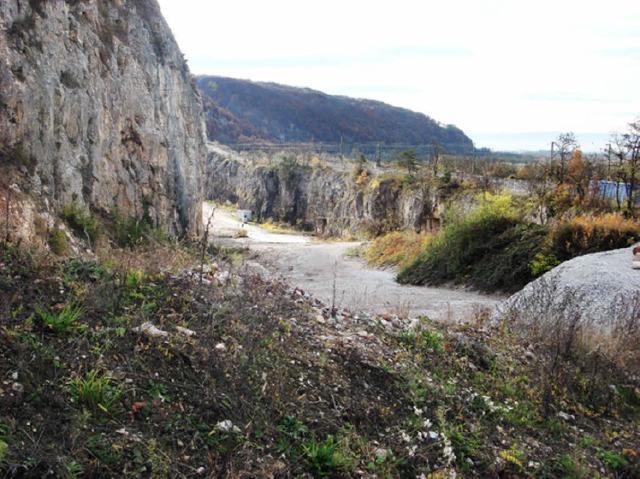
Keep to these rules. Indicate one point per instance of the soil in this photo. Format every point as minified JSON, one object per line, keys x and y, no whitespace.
{"x":330,"y":273}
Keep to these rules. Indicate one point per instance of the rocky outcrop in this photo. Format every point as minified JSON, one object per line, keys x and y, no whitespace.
{"x":317,"y":197}
{"x":98,"y":109}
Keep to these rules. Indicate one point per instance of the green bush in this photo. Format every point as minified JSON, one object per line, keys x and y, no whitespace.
{"x":489,"y":248}
{"x":57,"y":241}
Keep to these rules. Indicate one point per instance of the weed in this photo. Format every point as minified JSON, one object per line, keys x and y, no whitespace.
{"x":74,"y":470}
{"x":611,"y":459}
{"x":589,"y":234}
{"x":397,"y":248}
{"x":324,"y":458}
{"x":64,"y":320}
{"x":100,"y":447}
{"x":57,"y":241}
{"x":291,"y":427}
{"x":4,"y":447}
{"x":96,"y":390}
{"x":157,"y":391}
{"x":81,"y":221}
{"x":513,"y":457}
{"x":570,"y":468}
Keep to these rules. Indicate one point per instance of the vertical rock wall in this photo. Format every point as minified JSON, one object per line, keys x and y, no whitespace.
{"x":317,"y":198}
{"x":98,"y":108}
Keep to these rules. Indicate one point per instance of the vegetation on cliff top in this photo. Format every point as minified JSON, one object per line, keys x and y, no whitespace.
{"x":241,"y":111}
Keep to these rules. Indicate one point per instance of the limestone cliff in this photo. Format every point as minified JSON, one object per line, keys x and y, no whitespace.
{"x":318,"y":198}
{"x":98,"y":109}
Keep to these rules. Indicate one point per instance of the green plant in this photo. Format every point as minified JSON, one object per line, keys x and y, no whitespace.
{"x":570,"y":468}
{"x":157,"y":391}
{"x":293,"y":428}
{"x":4,"y":447}
{"x":57,"y":241}
{"x":64,"y":320}
{"x":542,"y":263}
{"x":611,"y":459}
{"x":134,"y":278}
{"x":100,"y":447}
{"x":489,"y":247}
{"x":324,"y":458}
{"x":131,"y":232}
{"x":96,"y":390}
{"x":74,"y":470}
{"x":81,"y":221}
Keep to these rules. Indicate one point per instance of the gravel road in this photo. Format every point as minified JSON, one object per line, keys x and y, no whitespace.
{"x":323,"y":270}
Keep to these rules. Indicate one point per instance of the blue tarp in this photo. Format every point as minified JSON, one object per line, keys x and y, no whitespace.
{"x":608,"y":190}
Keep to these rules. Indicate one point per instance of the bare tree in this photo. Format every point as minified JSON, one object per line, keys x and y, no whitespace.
{"x":626,"y":148}
{"x":632,"y":140}
{"x":565,"y":145}
{"x":618,"y":148}
{"x":435,"y":154}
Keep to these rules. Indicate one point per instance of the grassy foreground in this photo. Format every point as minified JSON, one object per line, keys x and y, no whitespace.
{"x":246,"y":377}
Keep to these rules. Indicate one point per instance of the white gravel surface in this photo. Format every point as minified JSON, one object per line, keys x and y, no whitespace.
{"x":600,"y":289}
{"x":323,"y":270}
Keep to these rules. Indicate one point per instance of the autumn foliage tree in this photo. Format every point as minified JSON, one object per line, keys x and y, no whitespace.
{"x":579,"y":174}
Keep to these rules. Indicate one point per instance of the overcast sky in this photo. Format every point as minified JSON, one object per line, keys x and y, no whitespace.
{"x":494,"y":68}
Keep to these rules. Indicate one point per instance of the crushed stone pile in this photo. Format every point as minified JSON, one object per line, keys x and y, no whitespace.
{"x":600,"y":290}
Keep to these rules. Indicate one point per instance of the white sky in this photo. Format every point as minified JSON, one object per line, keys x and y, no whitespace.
{"x":491,"y":67}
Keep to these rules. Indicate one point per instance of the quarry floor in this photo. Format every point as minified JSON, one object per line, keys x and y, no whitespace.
{"x":327,"y":271}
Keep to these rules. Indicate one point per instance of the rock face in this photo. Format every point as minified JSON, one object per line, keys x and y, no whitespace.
{"x":98,"y":109}
{"x":315,"y":197}
{"x":599,"y":291}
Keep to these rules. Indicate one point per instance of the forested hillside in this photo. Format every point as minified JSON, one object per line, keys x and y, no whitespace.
{"x":241,"y":111}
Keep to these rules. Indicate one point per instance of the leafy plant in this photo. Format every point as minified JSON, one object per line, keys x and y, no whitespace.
{"x":157,"y":391}
{"x":324,"y":458}
{"x":96,"y":390}
{"x":74,"y":470}
{"x":542,"y":263}
{"x":611,"y":459}
{"x":57,"y":241}
{"x":63,"y":320}
{"x":293,"y":428}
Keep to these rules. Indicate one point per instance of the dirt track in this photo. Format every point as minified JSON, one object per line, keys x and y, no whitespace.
{"x":321,"y":269}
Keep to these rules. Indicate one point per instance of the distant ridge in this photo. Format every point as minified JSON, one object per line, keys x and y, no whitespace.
{"x":242,"y":111}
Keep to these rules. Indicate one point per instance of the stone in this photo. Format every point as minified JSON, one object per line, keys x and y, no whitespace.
{"x":185,"y":332}
{"x":151,"y":331}
{"x":228,"y":427}
{"x":117,"y":137}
